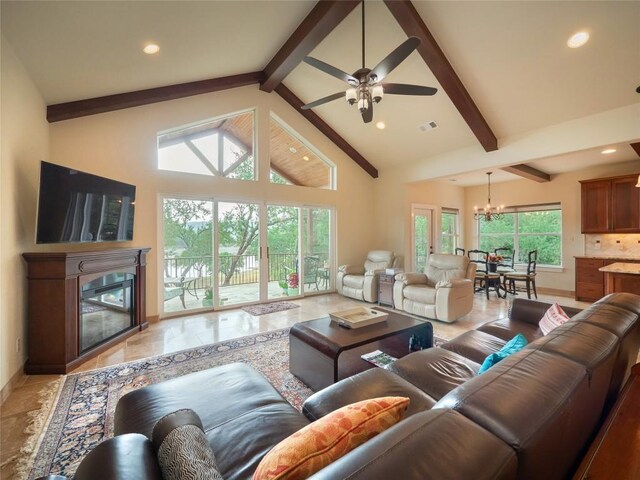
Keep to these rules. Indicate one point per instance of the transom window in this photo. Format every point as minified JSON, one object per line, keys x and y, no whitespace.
{"x":522,"y":229}
{"x":221,"y":147}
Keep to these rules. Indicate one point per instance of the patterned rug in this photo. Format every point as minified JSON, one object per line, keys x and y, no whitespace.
{"x":264,"y":308}
{"x":83,"y":414}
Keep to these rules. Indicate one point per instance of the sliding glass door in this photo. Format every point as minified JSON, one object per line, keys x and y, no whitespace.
{"x":220,"y":253}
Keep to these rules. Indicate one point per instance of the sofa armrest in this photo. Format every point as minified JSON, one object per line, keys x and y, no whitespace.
{"x":411,"y":278}
{"x":454,"y":299}
{"x":127,"y":457}
{"x":351,"y":269}
{"x":373,"y":273}
{"x":531,"y":311}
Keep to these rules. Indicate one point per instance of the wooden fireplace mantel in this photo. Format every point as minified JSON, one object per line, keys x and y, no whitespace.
{"x":55,"y":280}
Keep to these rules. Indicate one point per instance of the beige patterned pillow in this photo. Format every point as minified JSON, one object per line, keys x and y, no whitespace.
{"x":182,"y":448}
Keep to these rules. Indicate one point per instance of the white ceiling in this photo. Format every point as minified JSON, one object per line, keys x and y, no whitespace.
{"x":511,"y":56}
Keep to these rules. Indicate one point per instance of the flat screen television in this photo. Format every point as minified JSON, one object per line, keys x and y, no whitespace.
{"x":78,"y":207}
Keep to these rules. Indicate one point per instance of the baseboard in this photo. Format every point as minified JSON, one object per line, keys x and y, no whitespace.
{"x":153,"y":318}
{"x":11,"y":384}
{"x":556,"y":292}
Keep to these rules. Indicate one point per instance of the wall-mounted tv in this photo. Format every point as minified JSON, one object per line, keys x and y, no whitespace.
{"x":76,"y":207}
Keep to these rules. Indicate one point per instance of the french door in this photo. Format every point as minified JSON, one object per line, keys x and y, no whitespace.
{"x":219,"y":253}
{"x":422,"y":237}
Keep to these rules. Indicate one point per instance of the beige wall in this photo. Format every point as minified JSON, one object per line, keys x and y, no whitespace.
{"x":393,"y":209}
{"x":25,"y":141}
{"x":563,"y":188}
{"x":122,"y":145}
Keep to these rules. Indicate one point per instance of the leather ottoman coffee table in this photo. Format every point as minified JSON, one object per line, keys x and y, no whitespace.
{"x":321,"y":352}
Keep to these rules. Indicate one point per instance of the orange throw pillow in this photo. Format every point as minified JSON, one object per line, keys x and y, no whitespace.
{"x":318,"y":444}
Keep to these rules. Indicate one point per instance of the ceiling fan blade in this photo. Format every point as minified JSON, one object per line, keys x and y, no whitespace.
{"x":406,"y":89}
{"x":326,"y":99}
{"x":367,"y":115}
{"x":331,"y":70}
{"x":395,"y":58}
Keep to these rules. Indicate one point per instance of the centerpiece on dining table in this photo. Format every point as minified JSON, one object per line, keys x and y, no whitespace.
{"x":493,"y":259}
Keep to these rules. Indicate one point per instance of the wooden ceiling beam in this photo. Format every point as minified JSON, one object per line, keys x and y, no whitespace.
{"x":636,"y":146}
{"x":528,"y":172}
{"x":110,"y":103}
{"x":330,"y":133}
{"x":322,"y":19}
{"x":413,"y":25}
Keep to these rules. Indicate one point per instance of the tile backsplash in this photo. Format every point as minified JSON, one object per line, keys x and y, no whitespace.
{"x":606,"y":245}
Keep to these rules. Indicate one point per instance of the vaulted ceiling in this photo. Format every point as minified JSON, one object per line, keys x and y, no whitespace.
{"x":511,"y":58}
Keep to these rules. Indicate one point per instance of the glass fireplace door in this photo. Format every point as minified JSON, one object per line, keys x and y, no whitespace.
{"x":106,"y":308}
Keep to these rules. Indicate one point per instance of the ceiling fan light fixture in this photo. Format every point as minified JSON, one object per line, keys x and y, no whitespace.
{"x":377,"y":93}
{"x":351,"y":96}
{"x":363,"y":104}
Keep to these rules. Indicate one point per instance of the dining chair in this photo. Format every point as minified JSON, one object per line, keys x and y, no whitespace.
{"x":485,"y":280}
{"x":460,"y":251}
{"x":528,"y":277}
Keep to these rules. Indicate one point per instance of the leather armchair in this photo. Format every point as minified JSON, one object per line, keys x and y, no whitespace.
{"x":444,"y":292}
{"x":361,"y":282}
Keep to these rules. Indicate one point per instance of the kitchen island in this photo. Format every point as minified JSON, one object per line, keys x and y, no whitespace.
{"x":621,"y":277}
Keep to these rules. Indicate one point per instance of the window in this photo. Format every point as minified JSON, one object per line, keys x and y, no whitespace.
{"x":522,"y":229}
{"x":294,"y":161}
{"x":449,"y":227}
{"x":221,"y":147}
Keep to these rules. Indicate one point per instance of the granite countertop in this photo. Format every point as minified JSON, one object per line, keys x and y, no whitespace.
{"x":610,"y":257}
{"x":631,"y":268}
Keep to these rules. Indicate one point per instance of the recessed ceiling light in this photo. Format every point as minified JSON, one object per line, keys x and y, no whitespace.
{"x":578,"y":39}
{"x":292,"y":149}
{"x":380,"y":125}
{"x":305,"y":158}
{"x":608,"y":151}
{"x":151,"y":48}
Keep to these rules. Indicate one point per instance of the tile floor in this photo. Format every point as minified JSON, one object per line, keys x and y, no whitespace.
{"x":175,"y":334}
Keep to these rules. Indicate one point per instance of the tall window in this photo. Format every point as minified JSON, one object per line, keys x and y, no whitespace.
{"x":522,"y":229}
{"x":220,"y":147}
{"x":449,"y":228}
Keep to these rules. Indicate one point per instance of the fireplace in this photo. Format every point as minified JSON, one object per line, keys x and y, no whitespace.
{"x":82,"y":303}
{"x":106,"y":308}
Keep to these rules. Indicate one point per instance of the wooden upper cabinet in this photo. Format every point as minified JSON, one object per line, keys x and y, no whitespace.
{"x":625,"y":205}
{"x":596,"y":205}
{"x":611,"y":205}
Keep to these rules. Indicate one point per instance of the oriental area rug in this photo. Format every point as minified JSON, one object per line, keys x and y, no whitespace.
{"x":83,"y":414}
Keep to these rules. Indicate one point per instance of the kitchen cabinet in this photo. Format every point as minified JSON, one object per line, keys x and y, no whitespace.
{"x":611,"y":205}
{"x":589,"y":280}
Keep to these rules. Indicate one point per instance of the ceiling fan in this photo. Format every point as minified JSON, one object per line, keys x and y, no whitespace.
{"x":365,"y":85}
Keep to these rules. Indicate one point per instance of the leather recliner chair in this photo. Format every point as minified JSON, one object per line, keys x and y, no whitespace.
{"x":361,"y":282}
{"x":444,"y":292}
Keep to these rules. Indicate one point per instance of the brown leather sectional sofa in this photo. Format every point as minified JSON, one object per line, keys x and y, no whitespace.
{"x":530,"y":416}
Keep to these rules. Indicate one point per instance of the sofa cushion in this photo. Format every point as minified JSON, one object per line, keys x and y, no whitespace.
{"x":378,"y":260}
{"x":327,"y":439}
{"x":506,"y":328}
{"x":420,"y":294}
{"x":442,"y":267}
{"x":182,"y":449}
{"x":435,"y":371}
{"x":230,"y":400}
{"x":474,"y":345}
{"x":552,"y":318}
{"x":514,"y":345}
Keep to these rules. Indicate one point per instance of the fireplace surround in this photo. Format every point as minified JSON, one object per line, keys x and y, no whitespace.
{"x":82,"y":303}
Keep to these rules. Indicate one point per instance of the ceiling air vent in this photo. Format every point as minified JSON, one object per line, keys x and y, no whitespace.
{"x":425,"y":127}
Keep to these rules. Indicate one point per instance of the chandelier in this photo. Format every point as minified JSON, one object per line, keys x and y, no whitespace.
{"x":488,"y":212}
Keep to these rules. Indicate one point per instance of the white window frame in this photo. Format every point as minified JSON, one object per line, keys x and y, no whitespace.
{"x":515,"y":235}
{"x":456,"y":227}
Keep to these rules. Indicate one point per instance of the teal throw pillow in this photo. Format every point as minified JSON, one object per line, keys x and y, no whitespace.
{"x":514,"y":345}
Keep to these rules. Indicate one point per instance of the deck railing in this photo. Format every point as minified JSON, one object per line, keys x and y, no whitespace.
{"x":199,"y":269}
